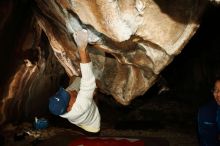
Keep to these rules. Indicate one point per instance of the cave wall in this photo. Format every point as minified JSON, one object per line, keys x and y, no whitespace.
{"x":30,"y":72}
{"x":186,"y":75}
{"x":191,"y":74}
{"x":131,"y":43}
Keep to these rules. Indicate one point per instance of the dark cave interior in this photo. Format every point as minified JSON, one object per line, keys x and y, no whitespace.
{"x":188,"y":78}
{"x":194,"y":68}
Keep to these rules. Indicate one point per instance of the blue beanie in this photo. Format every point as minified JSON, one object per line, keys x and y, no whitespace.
{"x":59,"y":102}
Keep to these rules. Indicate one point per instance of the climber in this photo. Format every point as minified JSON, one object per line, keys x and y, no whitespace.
{"x":77,"y":104}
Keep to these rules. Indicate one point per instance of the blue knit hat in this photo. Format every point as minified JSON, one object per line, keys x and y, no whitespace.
{"x":59,"y":102}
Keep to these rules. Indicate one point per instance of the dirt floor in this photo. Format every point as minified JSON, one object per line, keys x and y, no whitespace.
{"x":159,"y":119}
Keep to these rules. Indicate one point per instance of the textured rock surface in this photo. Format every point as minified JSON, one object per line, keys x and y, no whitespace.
{"x":130,"y":43}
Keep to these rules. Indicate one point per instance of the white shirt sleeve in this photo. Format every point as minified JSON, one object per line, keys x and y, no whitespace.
{"x":84,"y":112}
{"x":88,"y":83}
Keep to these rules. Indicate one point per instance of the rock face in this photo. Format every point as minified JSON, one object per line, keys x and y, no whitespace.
{"x":130,"y":42}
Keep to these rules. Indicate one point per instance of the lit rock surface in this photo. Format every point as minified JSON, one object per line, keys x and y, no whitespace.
{"x":130,"y":42}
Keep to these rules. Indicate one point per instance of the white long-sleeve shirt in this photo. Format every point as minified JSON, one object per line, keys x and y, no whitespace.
{"x":84,"y":112}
